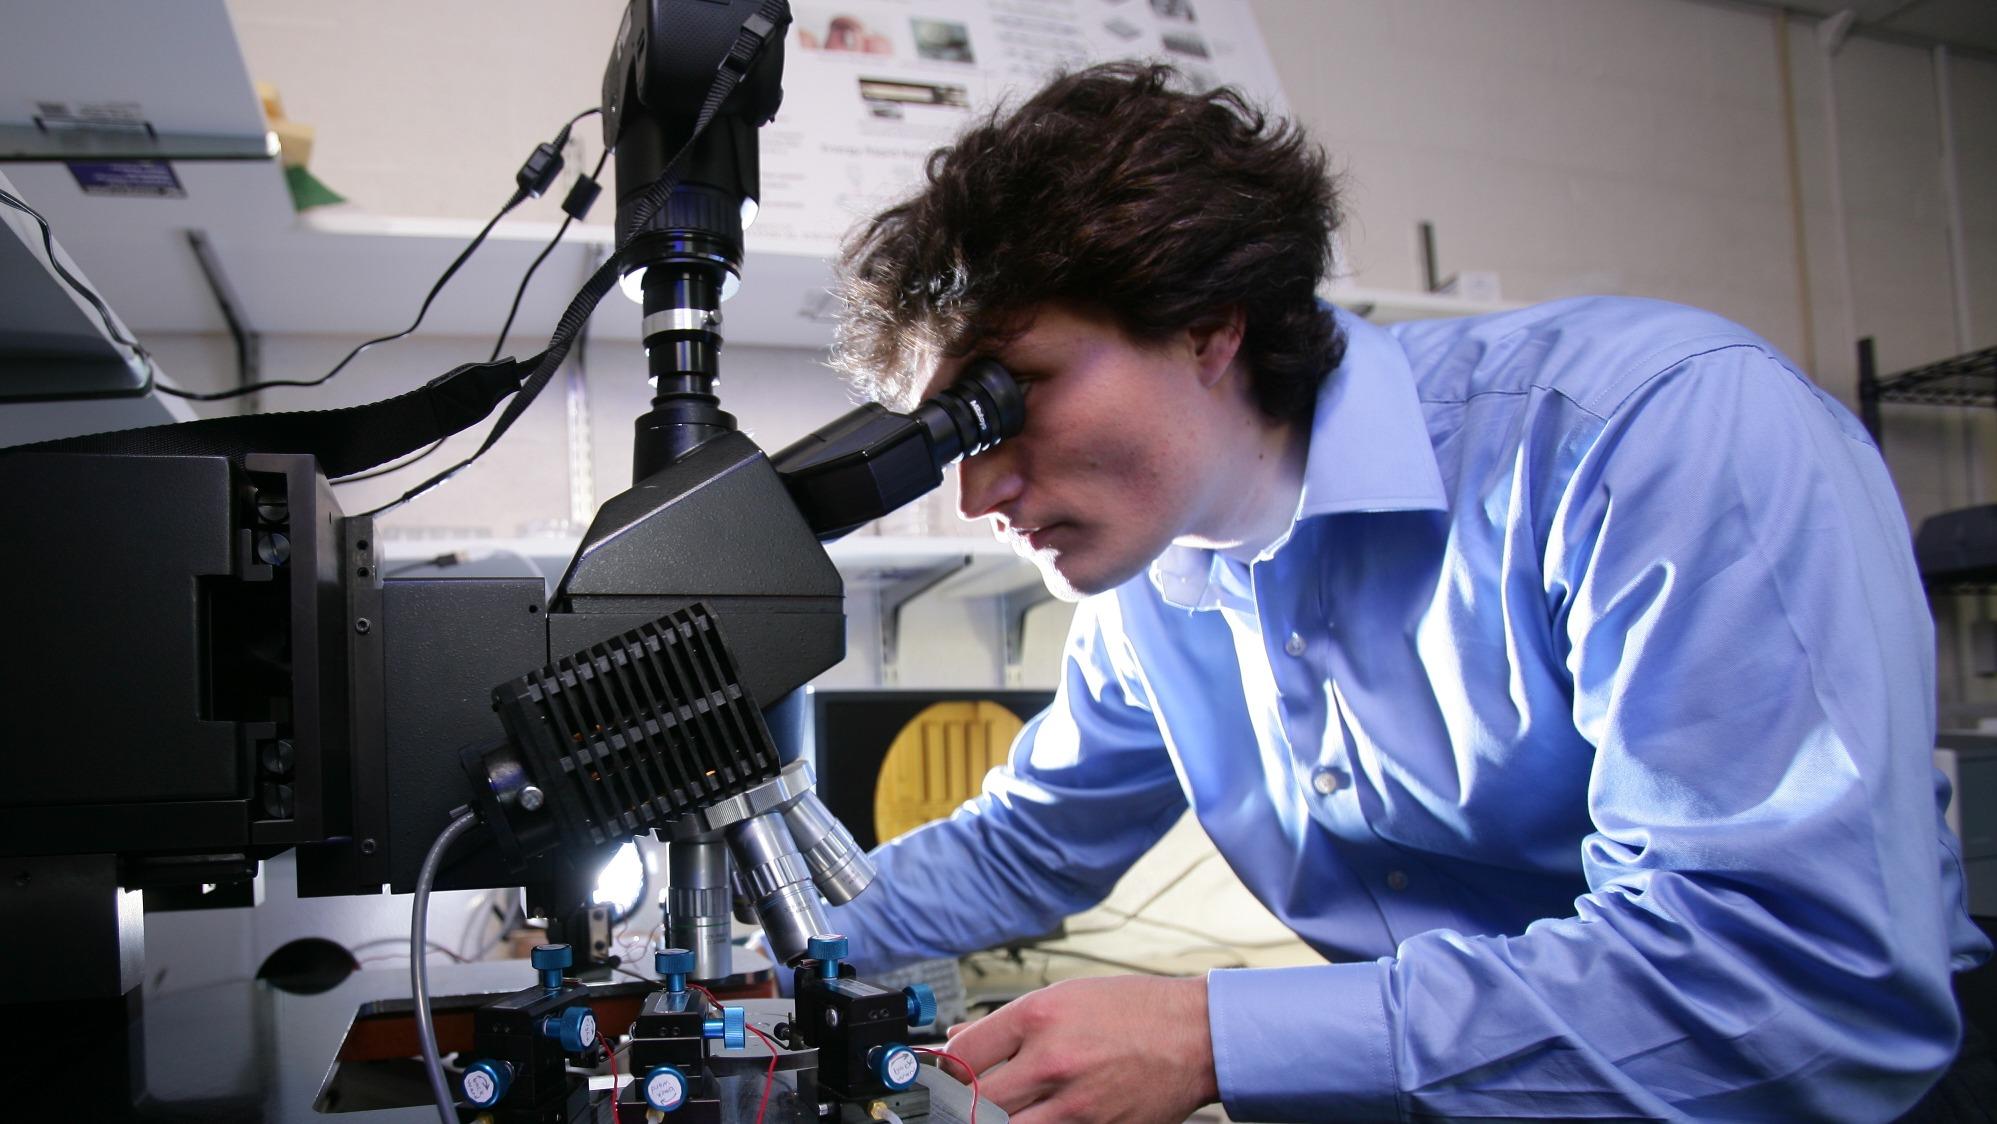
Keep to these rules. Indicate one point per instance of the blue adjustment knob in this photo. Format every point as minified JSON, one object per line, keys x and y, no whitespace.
{"x":665,"y":1088}
{"x":895,"y":1064}
{"x":731,"y":1028}
{"x":551,"y":960}
{"x":485,"y":1082}
{"x":674,"y":965}
{"x":828,"y":950}
{"x":921,"y":1004}
{"x":575,"y":1027}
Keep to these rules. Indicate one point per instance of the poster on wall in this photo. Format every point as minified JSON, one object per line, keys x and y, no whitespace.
{"x":871,"y":87}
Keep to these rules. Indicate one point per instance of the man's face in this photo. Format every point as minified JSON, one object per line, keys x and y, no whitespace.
{"x":1108,"y":470}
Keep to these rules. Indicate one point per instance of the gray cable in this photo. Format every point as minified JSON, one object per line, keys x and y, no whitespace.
{"x":419,"y":965}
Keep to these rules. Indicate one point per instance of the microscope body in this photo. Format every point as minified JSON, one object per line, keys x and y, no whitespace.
{"x":275,"y":692}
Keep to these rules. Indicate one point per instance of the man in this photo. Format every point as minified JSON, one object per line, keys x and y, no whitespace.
{"x":1561,"y":675}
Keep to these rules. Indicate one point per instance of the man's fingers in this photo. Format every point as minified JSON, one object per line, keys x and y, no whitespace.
{"x":990,"y":1040}
{"x":1014,"y":1085}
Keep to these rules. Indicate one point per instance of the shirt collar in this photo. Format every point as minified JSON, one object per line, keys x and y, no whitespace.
{"x":1369,"y":451}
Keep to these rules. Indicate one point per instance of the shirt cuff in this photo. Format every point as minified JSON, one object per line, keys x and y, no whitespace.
{"x":1307,"y":1043}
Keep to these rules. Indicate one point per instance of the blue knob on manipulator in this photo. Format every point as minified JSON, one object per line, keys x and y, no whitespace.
{"x":575,"y":1028}
{"x":731,"y":1028}
{"x":895,"y":1065}
{"x":485,"y":1082}
{"x":674,"y":965}
{"x":828,"y":950}
{"x":551,"y":960}
{"x":665,"y":1088}
{"x":921,"y":1004}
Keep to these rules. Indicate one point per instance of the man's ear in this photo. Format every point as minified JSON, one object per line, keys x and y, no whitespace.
{"x":1216,"y":342}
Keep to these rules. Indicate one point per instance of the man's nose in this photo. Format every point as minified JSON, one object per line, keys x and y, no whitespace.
{"x":988,"y":483}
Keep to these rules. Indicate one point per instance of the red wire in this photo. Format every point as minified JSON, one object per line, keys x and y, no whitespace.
{"x":967,"y":1069}
{"x":770,"y":1078}
{"x":611,"y":1048}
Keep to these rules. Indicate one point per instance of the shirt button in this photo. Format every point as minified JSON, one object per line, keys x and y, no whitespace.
{"x":1397,"y":880}
{"x":1294,"y":645}
{"x":1326,"y":781}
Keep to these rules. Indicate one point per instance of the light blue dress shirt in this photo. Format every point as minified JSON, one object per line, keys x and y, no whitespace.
{"x":1600,"y":625}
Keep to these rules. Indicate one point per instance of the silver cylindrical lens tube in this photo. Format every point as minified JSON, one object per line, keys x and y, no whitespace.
{"x":779,"y":883}
{"x":838,"y":865}
{"x":697,"y":903}
{"x":745,"y":910}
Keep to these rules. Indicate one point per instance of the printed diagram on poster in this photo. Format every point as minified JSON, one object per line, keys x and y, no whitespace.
{"x":871,"y":87}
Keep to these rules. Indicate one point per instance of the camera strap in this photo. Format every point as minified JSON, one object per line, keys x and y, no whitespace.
{"x":345,"y":441}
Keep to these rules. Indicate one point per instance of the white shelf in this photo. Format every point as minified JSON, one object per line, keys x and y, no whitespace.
{"x":980,"y":567}
{"x":343,"y":272}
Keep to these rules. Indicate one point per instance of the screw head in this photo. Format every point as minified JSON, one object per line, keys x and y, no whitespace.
{"x":363,"y":624}
{"x":272,"y":507}
{"x":548,"y":956}
{"x":531,"y":798}
{"x":367,"y":846}
{"x":276,"y":757}
{"x":273,"y":548}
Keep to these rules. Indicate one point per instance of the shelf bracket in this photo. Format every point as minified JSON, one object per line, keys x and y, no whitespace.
{"x":897,"y":594}
{"x":1013,"y":605}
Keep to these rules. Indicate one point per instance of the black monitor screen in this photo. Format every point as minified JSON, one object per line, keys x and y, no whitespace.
{"x":888,"y":761}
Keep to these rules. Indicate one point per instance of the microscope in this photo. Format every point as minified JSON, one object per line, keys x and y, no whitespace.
{"x":274,"y":692}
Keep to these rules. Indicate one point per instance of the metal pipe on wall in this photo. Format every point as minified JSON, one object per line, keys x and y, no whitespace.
{"x":1958,"y":255}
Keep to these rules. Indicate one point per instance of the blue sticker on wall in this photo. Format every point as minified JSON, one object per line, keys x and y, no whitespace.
{"x":140,"y":179}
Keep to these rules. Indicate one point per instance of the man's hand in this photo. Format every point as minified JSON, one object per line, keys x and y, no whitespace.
{"x":1121,"y":1048}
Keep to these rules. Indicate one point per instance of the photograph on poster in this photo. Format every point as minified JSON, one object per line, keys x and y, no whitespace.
{"x":887,"y":98}
{"x":942,"y":40}
{"x":845,"y":33}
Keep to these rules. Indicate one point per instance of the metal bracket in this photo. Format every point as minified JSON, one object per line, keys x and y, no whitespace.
{"x":249,"y":345}
{"x":896,"y":594}
{"x":1013,"y":605}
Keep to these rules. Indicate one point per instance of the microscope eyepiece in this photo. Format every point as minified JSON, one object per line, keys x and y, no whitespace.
{"x":972,"y":414}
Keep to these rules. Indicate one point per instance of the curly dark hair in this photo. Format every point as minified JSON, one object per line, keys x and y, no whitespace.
{"x":1118,"y":191}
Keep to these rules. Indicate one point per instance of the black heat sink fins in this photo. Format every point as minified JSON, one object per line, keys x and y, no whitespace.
{"x":634,"y":731}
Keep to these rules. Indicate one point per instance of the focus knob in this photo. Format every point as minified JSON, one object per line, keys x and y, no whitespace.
{"x":665,"y":1088}
{"x":895,"y":1064}
{"x":485,"y":1082}
{"x":674,"y":965}
{"x":551,"y":960}
{"x":574,"y":1028}
{"x":730,"y":1028}
{"x":921,"y":1004}
{"x":828,"y":949}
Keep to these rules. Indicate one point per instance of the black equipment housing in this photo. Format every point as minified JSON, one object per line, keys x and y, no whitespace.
{"x":508,"y":1029}
{"x":667,"y":1031}
{"x":865,"y":1018}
